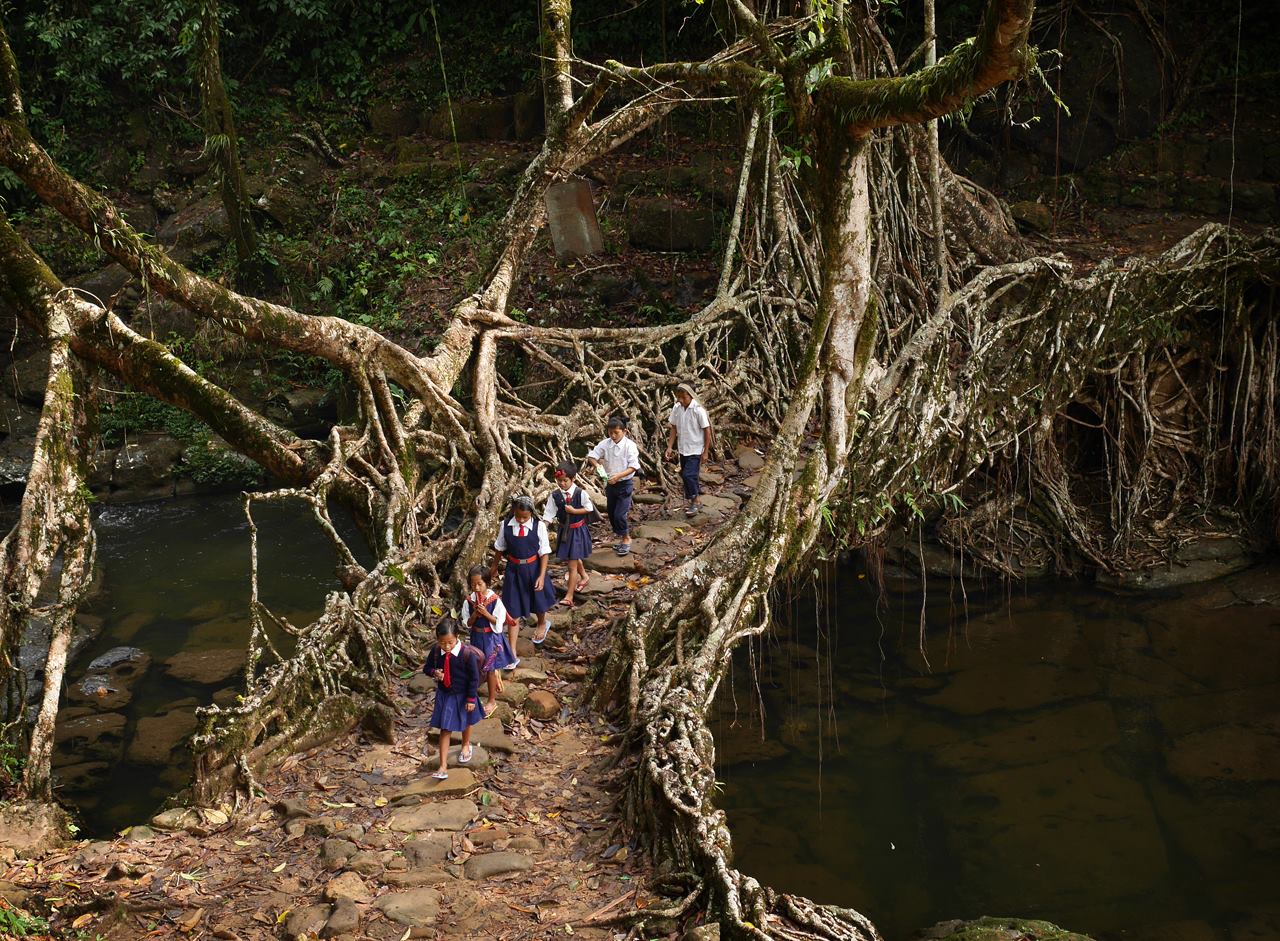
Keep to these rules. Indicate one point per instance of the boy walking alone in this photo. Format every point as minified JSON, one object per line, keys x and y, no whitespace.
{"x":690,"y":436}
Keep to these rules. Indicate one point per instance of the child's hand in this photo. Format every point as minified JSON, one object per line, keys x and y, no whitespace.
{"x":438,"y":674}
{"x":671,"y":454}
{"x":471,"y":707}
{"x":537,"y":583}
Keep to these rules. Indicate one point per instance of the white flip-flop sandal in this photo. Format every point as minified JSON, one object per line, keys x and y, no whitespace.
{"x":440,"y":775}
{"x":465,"y":754}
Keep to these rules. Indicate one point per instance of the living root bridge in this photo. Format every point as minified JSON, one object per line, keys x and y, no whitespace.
{"x":1033,"y":338}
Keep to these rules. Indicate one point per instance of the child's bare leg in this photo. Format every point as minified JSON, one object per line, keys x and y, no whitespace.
{"x":493,"y":691}
{"x":571,"y":579}
{"x":444,"y":749}
{"x":513,"y":635}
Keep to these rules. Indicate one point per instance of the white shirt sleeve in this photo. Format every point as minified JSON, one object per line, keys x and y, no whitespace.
{"x":671,"y":419}
{"x":549,"y":511}
{"x":500,"y":615}
{"x":704,"y":420}
{"x":598,"y":451}
{"x":466,"y":611}
{"x":501,"y":542}
{"x":586,"y":501}
{"x":633,"y":454}
{"x":544,"y":544}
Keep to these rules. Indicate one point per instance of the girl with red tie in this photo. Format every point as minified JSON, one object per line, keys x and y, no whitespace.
{"x":457,"y":668}
{"x":526,"y":589}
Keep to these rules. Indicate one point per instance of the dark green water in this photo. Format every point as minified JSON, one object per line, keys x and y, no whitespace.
{"x":1111,"y":764}
{"x":176,"y":579}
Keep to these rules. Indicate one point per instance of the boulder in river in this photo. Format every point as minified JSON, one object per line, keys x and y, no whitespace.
{"x":109,"y":680}
{"x":88,"y":738}
{"x":999,"y":929}
{"x":155,"y":737}
{"x":206,"y":666}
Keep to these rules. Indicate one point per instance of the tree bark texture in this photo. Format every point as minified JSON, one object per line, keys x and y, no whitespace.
{"x":822,"y":338}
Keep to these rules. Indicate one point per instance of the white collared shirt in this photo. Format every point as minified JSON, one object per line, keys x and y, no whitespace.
{"x":499,"y":611}
{"x":457,"y":648}
{"x":690,"y":424}
{"x":617,"y":456}
{"x":544,"y":544}
{"x":549,"y":511}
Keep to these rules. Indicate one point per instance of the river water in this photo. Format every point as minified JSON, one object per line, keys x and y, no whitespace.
{"x":175,"y":582}
{"x":1108,"y":763}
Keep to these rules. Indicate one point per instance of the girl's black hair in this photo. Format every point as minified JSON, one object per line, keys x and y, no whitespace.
{"x":617,"y":421}
{"x":446,"y":627}
{"x":478,"y":570}
{"x":568,"y":469}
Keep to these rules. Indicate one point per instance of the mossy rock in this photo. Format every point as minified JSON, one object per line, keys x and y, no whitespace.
{"x":1001,"y":929}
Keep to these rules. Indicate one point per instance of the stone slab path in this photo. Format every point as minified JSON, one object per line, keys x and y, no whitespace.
{"x":354,"y":838}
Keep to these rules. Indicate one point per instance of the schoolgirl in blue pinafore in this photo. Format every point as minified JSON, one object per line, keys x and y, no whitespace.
{"x":523,"y":557}
{"x":522,"y":541}
{"x":573,"y":538}
{"x":488,"y":637}
{"x":458,"y":684}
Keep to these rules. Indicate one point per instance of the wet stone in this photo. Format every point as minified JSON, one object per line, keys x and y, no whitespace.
{"x":98,"y":737}
{"x":155,"y":737}
{"x":495,"y":864}
{"x":205,"y":666}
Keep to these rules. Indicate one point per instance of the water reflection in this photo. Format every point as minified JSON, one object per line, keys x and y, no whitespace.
{"x":1108,"y":763}
{"x":175,"y":587}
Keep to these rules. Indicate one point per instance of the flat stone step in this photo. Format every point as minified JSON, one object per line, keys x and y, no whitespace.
{"x":443,"y":815}
{"x":460,"y":781}
{"x":487,"y":865}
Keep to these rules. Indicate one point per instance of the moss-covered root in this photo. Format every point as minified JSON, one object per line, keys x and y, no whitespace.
{"x":1001,"y":929}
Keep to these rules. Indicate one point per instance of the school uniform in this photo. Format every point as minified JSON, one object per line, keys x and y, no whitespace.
{"x":616,"y":457}
{"x":462,"y":666}
{"x":690,"y":425}
{"x":524,"y":544}
{"x":489,"y":638}
{"x":573,"y":538}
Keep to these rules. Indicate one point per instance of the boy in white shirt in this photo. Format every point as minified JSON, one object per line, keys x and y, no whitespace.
{"x":620,"y":458}
{"x":690,"y":437}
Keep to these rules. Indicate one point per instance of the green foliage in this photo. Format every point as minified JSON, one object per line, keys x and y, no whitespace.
{"x":10,"y":764}
{"x":389,"y":239}
{"x":18,"y":924}
{"x":208,"y":461}
{"x":134,"y":414}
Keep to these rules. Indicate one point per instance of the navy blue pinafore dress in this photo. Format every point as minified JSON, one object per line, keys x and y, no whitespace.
{"x":522,"y":571}
{"x":573,"y":541}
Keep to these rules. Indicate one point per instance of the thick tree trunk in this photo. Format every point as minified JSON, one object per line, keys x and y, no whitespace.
{"x":221,"y":143}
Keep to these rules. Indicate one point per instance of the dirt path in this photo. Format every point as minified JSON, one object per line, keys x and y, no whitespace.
{"x":355,"y":840}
